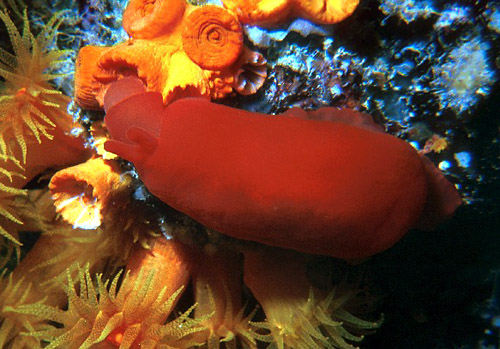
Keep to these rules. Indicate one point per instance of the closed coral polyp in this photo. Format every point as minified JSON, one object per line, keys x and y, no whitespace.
{"x":252,"y":72}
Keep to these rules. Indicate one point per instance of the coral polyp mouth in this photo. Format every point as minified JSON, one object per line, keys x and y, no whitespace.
{"x":82,"y":194}
{"x":77,"y":204}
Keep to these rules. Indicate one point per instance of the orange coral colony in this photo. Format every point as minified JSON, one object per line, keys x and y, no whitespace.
{"x":145,"y":19}
{"x":206,"y":41}
{"x":165,"y":268}
{"x":266,"y":13}
{"x":178,"y":50}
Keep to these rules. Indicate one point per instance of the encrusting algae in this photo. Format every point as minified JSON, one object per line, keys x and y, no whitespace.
{"x":114,"y":267}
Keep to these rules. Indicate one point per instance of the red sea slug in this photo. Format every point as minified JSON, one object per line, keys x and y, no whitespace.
{"x":337,"y":187}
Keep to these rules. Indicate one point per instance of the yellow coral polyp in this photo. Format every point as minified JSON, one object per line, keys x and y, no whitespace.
{"x":298,"y":315}
{"x":131,"y":315}
{"x":8,"y":208}
{"x":29,"y":107}
{"x":10,"y":221}
{"x":217,"y":288}
{"x":13,"y":293}
{"x":314,"y":323}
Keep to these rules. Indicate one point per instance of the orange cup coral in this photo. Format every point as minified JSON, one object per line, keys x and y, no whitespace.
{"x":146,"y":19}
{"x":84,"y":193}
{"x":9,"y":170}
{"x":12,"y":294}
{"x":270,"y":12}
{"x":252,"y":72}
{"x":206,"y":41}
{"x":34,"y":120}
{"x":129,"y":314}
{"x":212,"y":37}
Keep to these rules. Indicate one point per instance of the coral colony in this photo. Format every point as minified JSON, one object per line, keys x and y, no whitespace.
{"x":185,"y":174}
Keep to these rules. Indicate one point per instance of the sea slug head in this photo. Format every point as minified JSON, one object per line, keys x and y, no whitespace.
{"x":133,"y":119}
